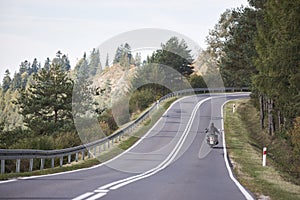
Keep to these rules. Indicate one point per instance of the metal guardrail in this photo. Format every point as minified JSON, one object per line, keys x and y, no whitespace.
{"x":96,"y":147}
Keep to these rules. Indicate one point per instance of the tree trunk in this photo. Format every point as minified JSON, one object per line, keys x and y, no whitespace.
{"x":279,"y":120}
{"x":270,"y":117}
{"x":262,"y":112}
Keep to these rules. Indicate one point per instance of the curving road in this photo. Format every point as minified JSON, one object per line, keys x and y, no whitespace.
{"x":171,"y":161}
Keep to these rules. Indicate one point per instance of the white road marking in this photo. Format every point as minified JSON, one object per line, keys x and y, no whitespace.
{"x":97,"y":196}
{"x":83,"y":196}
{"x":7,"y":181}
{"x":101,"y":164}
{"x":237,"y":183}
{"x":167,"y":161}
{"x":102,"y":191}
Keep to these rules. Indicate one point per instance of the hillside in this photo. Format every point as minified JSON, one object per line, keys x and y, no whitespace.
{"x":112,"y":83}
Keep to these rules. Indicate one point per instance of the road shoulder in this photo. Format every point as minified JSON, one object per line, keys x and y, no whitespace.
{"x":246,"y":155}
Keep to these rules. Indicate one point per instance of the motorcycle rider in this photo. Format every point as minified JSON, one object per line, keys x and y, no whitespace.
{"x":214,"y":131}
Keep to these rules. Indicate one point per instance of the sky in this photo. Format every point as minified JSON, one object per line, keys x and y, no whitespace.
{"x":38,"y":29}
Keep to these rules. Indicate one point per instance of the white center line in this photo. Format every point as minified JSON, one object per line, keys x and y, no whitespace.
{"x":96,"y":196}
{"x":83,"y":196}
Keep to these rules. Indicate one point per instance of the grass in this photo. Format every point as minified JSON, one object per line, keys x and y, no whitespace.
{"x":110,"y":153}
{"x":245,"y":152}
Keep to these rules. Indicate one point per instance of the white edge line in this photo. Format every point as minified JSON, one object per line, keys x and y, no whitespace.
{"x":7,"y":181}
{"x":101,"y":164}
{"x":237,"y":183}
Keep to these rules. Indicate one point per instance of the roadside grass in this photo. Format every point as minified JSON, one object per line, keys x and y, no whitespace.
{"x":242,"y":130}
{"x":106,"y":155}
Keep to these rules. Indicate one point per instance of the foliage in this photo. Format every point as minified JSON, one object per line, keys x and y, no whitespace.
{"x":141,"y":99}
{"x":231,"y":44}
{"x":278,"y":45}
{"x":197,"y":81}
{"x":94,"y":62}
{"x":175,"y":54}
{"x":47,"y":104}
{"x":123,"y":56}
{"x":107,"y":122}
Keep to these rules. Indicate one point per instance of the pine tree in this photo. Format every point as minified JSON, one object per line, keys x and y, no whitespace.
{"x":47,"y":64}
{"x":278,"y":45}
{"x":94,"y":62}
{"x":107,"y":61}
{"x":176,"y":55}
{"x":138,"y":59}
{"x":6,"y":81}
{"x":47,"y":104}
{"x":34,"y":67}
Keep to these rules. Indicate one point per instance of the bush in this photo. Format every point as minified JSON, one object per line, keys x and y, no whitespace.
{"x":140,"y":100}
{"x":197,"y":81}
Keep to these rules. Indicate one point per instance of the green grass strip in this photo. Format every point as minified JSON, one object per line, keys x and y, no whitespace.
{"x":242,"y":130}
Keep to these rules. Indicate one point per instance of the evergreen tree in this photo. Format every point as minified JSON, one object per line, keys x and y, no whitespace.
{"x":94,"y":62}
{"x":138,"y":59}
{"x":34,"y":67}
{"x":123,"y":55}
{"x":6,"y":81}
{"x":174,"y":54}
{"x":47,"y":64}
{"x":62,"y":60}
{"x":278,"y":45}
{"x":118,"y":54}
{"x":46,"y":104}
{"x":16,"y":82}
{"x":231,"y":44}
{"x":107,"y":61}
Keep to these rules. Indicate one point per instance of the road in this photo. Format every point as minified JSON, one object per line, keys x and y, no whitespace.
{"x":172,"y":161}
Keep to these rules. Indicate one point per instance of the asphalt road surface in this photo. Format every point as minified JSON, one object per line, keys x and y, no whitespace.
{"x":172,"y":161}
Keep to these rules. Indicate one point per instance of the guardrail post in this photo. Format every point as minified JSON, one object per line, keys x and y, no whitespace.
{"x":89,"y":152}
{"x":42,"y":163}
{"x":95,"y":150}
{"x":52,"y":162}
{"x":61,"y":161}
{"x":82,"y":154}
{"x":76,"y":157}
{"x":31,"y":164}
{"x":2,"y":166}
{"x":69,"y":158}
{"x":18,"y":163}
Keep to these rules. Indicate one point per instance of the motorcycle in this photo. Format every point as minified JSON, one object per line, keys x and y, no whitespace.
{"x":211,"y":138}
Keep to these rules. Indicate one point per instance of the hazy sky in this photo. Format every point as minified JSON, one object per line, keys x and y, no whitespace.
{"x":39,"y":28}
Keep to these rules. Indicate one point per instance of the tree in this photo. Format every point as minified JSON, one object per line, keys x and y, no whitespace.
{"x":47,"y":64}
{"x":107,"y":61}
{"x":47,"y":104}
{"x":62,"y":60}
{"x":278,"y":44}
{"x":231,"y":43}
{"x":174,"y":54}
{"x":197,"y":81}
{"x":82,"y":93}
{"x":123,"y":55}
{"x":34,"y":67}
{"x":138,"y":59}
{"x":94,"y":62}
{"x":6,"y":81}
{"x":118,"y":54}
